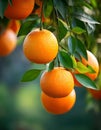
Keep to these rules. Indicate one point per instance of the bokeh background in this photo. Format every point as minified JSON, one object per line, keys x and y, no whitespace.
{"x":20,"y":105}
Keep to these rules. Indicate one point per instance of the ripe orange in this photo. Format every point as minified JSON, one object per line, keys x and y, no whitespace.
{"x":14,"y":25}
{"x":57,"y":82}
{"x":95,"y":93}
{"x":40,"y":46}
{"x":8,"y":42}
{"x":92,"y":61}
{"x":20,"y":9}
{"x":58,"y":105}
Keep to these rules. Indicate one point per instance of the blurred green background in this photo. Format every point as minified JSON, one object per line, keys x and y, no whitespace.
{"x":21,"y":108}
{"x":20,"y":105}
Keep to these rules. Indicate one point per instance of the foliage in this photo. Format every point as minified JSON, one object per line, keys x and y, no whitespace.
{"x":70,"y":22}
{"x":76,"y":24}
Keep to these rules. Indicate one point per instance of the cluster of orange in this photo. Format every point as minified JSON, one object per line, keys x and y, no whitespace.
{"x":58,"y":94}
{"x":41,"y":46}
{"x":20,"y":9}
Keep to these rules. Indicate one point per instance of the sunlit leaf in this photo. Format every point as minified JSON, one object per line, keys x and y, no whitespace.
{"x":94,"y":3}
{"x":78,"y":30}
{"x":83,"y":69}
{"x":62,"y":29}
{"x":74,"y":62}
{"x":85,"y":17}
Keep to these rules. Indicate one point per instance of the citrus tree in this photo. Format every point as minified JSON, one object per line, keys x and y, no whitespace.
{"x":58,"y":34}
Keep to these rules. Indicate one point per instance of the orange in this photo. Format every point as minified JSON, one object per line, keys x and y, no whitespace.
{"x":95,"y":93}
{"x":40,"y":46}
{"x":57,"y":82}
{"x":92,"y":61}
{"x":20,"y":9}
{"x":58,"y":105}
{"x":8,"y":42}
{"x":14,"y":25}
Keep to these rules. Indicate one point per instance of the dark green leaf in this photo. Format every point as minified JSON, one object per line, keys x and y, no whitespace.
{"x":72,"y":44}
{"x":51,"y":66}
{"x":77,"y":56}
{"x":62,"y":29}
{"x":27,"y":25}
{"x":81,"y":49}
{"x":78,"y":30}
{"x":47,"y":7}
{"x":30,"y":75}
{"x":60,"y":7}
{"x":85,"y":81}
{"x":65,"y":59}
{"x":3,"y":5}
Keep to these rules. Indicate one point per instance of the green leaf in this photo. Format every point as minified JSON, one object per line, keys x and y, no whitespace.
{"x":85,"y":81}
{"x":77,"y":56}
{"x":94,"y":3}
{"x":3,"y":5}
{"x":85,"y":17}
{"x":62,"y":29}
{"x":81,"y":49}
{"x":28,"y":25}
{"x":74,"y":62}
{"x":91,"y":69}
{"x":65,"y":59}
{"x":78,"y":30}
{"x":87,"y":4}
{"x":51,"y":66}
{"x":72,"y":44}
{"x":83,"y":69}
{"x":47,"y":7}
{"x":60,"y":7}
{"x":31,"y":75}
